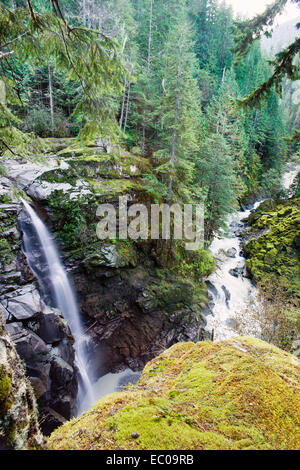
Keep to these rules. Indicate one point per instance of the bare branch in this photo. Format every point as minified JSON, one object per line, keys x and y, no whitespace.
{"x":5,"y":54}
{"x":15,"y":39}
{"x":7,"y":146}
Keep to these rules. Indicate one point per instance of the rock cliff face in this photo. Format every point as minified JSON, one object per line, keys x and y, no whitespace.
{"x":239,"y":394}
{"x":19,"y":427}
{"x":133,"y":307}
{"x":273,"y":244}
{"x":272,"y":247}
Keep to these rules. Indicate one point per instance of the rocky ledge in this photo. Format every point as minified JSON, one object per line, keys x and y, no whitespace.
{"x":239,"y":394}
{"x":19,"y":427}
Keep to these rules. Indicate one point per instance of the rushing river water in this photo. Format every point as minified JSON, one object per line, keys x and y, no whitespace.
{"x":231,"y":291}
{"x":233,"y":294}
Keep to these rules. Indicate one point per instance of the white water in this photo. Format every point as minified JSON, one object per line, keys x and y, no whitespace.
{"x":289,"y":175}
{"x":111,"y":383}
{"x":65,"y":301}
{"x":242,"y":291}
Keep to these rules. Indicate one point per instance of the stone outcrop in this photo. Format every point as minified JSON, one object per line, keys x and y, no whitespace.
{"x":134,"y":308}
{"x":272,"y":251}
{"x":19,"y":428}
{"x":242,"y":393}
{"x":134,"y":315}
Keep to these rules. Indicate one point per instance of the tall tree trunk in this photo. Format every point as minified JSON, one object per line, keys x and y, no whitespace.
{"x":127,"y":107}
{"x":123,"y":104}
{"x":173,"y":150}
{"x":223,"y":76}
{"x":174,"y":139}
{"x":150,"y":37}
{"x":148,"y":69}
{"x":51,"y":100}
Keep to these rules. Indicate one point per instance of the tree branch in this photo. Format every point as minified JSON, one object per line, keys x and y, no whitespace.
{"x":5,"y":54}
{"x":32,"y":14}
{"x":7,"y":146}
{"x":13,"y":40}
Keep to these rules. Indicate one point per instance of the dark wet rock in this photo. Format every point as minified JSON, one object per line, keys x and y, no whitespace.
{"x":50,"y":420}
{"x":208,"y":309}
{"x":227,"y":295}
{"x":134,"y":315}
{"x":51,"y":327}
{"x":231,"y":252}
{"x":212,"y":288}
{"x":238,"y":271}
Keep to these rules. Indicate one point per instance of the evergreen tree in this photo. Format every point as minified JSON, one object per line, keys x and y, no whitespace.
{"x":214,"y":173}
{"x":178,"y":111}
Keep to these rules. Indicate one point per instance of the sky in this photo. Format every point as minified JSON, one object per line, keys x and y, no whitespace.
{"x":250,"y":8}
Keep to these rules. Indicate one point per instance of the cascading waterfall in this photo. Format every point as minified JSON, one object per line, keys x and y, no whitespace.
{"x":53,"y":280}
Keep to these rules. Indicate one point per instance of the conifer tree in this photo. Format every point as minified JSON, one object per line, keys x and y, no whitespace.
{"x":178,"y":110}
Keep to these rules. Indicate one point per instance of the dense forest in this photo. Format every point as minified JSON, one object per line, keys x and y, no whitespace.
{"x":175,"y":102}
{"x":173,"y":96}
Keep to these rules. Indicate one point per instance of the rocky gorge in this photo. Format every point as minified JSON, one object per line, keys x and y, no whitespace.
{"x":132,"y":308}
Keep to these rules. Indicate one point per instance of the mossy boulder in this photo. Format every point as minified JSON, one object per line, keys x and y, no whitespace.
{"x":19,"y":427}
{"x":273,"y":249}
{"x":239,"y":394}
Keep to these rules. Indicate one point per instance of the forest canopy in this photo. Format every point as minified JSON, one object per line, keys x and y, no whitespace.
{"x":162,"y":78}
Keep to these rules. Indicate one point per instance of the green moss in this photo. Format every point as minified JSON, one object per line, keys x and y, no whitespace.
{"x":273,"y":254}
{"x":111,"y":188}
{"x":5,"y":388}
{"x":239,"y":394}
{"x":192,"y":265}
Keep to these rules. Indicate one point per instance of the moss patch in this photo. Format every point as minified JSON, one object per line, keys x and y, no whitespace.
{"x":239,"y":394}
{"x":273,"y":252}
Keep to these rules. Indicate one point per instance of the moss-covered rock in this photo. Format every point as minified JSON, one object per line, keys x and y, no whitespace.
{"x":19,"y":427}
{"x":239,"y":394}
{"x":273,"y":249}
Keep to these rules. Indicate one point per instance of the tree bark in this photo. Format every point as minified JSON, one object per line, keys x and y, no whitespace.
{"x":127,"y":107}
{"x":150,"y":37}
{"x":174,"y":139}
{"x":123,"y":105}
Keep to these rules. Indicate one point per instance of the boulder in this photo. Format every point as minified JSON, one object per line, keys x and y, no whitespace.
{"x":238,"y":271}
{"x":227,"y":295}
{"x":23,"y":303}
{"x":240,"y":394}
{"x":231,"y":252}
{"x":19,"y":428}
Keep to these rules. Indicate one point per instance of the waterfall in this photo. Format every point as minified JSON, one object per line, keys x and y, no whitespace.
{"x":54,"y":284}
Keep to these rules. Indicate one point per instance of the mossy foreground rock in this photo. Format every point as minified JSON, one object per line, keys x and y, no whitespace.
{"x":239,"y":394}
{"x":19,"y":427}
